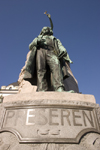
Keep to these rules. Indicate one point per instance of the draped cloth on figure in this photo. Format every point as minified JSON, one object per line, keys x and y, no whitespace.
{"x":58,"y":50}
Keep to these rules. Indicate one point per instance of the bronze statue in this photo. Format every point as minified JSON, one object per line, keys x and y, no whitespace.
{"x":46,"y":65}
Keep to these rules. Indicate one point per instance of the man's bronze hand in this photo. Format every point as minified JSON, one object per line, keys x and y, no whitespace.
{"x":49,"y":16}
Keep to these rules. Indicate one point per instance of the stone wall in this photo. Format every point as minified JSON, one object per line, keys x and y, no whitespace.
{"x":49,"y":121}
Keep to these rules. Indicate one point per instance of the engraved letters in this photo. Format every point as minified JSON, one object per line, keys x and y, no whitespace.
{"x":30,"y":116}
{"x":50,"y":116}
{"x":76,"y":116}
{"x":65,"y":116}
{"x":55,"y":122}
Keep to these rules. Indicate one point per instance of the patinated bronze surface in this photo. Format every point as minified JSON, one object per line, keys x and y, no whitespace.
{"x":46,"y":65}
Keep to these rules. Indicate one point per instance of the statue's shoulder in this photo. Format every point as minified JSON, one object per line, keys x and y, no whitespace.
{"x":53,"y":37}
{"x":39,"y":36}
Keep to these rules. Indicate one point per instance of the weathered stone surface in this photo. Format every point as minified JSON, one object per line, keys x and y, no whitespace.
{"x":60,"y":119}
{"x":49,"y":123}
{"x":90,"y":141}
{"x":25,"y":86}
{"x":55,"y":97}
{"x":98,"y":113}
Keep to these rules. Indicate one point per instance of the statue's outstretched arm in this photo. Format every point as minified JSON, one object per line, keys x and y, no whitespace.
{"x":49,"y":16}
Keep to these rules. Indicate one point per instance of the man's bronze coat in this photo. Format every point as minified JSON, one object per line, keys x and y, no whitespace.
{"x":59,"y":51}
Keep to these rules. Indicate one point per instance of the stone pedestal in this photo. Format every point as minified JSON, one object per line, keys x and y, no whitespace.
{"x":49,"y":121}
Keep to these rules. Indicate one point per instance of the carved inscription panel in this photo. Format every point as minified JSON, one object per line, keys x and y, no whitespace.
{"x":49,"y":123}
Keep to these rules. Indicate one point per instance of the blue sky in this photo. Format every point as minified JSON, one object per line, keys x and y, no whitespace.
{"x":76,"y":24}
